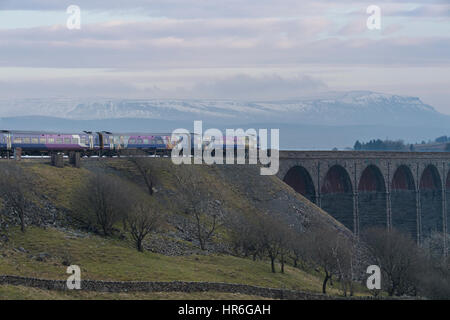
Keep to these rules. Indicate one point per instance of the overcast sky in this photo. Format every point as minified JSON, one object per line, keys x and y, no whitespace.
{"x":233,"y":49}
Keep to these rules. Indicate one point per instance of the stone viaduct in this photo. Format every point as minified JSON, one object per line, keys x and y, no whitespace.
{"x":405,"y":190}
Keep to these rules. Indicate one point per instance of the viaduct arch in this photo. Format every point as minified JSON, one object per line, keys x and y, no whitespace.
{"x":408,"y":191}
{"x":371,"y":198}
{"x":430,"y":201}
{"x":403,"y":201}
{"x":337,"y":195}
{"x":300,"y":180}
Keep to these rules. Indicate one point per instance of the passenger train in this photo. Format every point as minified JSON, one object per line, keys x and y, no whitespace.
{"x":103,"y":143}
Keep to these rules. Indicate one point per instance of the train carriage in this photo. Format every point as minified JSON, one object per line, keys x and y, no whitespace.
{"x":41,"y":143}
{"x":114,"y":143}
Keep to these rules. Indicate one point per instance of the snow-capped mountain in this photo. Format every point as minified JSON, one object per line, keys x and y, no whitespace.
{"x":349,"y":108}
{"x":352,"y":108}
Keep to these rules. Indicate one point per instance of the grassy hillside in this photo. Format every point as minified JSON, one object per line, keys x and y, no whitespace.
{"x":24,"y":293}
{"x":109,"y":259}
{"x":172,"y":255}
{"x":237,"y":188}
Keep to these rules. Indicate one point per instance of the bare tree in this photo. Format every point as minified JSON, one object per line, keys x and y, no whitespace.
{"x":239,"y":230}
{"x":268,"y":234}
{"x":261,"y":235}
{"x":434,"y":245}
{"x":205,"y":230}
{"x":244,"y":236}
{"x":406,"y":268}
{"x":276,"y":236}
{"x":328,"y":250}
{"x":347,"y":264}
{"x":284,"y":247}
{"x":143,"y":219}
{"x":199,"y":204}
{"x":101,"y":202}
{"x":398,"y":258}
{"x":434,"y":280}
{"x":15,"y":189}
{"x":298,"y":251}
{"x":145,"y":169}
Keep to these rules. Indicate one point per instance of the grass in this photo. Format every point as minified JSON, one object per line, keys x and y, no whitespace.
{"x":8,"y":292}
{"x":58,"y":184}
{"x":109,"y":259}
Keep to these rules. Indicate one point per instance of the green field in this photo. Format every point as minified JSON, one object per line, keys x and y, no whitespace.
{"x":109,"y":259}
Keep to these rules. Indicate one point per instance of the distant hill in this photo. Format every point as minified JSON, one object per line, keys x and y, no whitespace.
{"x":430,"y":147}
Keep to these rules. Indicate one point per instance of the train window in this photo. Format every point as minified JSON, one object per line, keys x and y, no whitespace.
{"x":51,"y":140}
{"x":17,"y":140}
{"x":145,"y":141}
{"x":74,"y":140}
{"x":42,"y":140}
{"x":83,"y":140}
{"x":59,"y":140}
{"x":34,"y":140}
{"x":66,"y":140}
{"x":26,"y":140}
{"x":132,"y":141}
{"x":139,"y":141}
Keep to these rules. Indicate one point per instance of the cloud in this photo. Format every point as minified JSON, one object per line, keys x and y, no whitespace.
{"x":189,"y":7}
{"x":205,"y":43}
{"x":391,"y":29}
{"x":178,"y":8}
{"x":427,"y":11}
{"x":238,"y":86}
{"x":122,"y":85}
{"x":97,"y":86}
{"x":213,"y":9}
{"x":356,"y":26}
{"x":237,"y":38}
{"x":272,"y":86}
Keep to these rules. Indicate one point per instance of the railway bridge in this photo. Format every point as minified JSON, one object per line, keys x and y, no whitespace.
{"x":408,"y":191}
